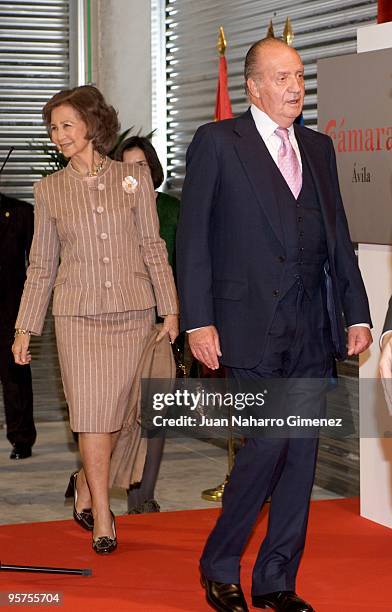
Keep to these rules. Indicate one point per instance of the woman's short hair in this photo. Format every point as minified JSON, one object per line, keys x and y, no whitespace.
{"x":100,"y":118}
{"x":143,"y":143}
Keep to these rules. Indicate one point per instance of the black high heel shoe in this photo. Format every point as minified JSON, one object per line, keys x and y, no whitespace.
{"x":105,"y":544}
{"x":84,"y":518}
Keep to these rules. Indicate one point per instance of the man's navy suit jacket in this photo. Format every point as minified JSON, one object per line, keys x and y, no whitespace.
{"x":16,"y":234}
{"x":230,"y":244}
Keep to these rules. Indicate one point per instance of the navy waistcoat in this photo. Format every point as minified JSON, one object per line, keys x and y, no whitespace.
{"x":304,"y":234}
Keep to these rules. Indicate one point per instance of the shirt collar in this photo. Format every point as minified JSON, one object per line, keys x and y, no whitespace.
{"x":264,"y":124}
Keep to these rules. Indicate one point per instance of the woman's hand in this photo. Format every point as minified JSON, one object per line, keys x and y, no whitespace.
{"x":20,"y":349}
{"x":170,"y":326}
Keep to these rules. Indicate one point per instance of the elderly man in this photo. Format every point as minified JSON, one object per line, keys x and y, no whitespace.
{"x":265,"y":270}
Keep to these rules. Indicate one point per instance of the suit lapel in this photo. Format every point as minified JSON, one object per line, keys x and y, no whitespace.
{"x":259,"y":169}
{"x":315,"y":158}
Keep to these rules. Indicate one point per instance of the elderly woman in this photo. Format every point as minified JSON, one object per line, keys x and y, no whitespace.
{"x":98,"y":216}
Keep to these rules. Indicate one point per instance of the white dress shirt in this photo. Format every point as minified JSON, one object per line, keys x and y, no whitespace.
{"x":266,"y":128}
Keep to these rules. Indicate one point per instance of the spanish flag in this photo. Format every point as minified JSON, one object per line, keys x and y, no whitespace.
{"x":222,"y":104}
{"x":384,"y":11}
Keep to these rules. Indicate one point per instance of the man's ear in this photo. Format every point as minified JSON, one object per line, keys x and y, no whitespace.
{"x":253,"y":88}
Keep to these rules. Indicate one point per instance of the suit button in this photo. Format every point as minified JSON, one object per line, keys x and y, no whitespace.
{"x":105,"y":260}
{"x":103,"y":236}
{"x":281,"y":258}
{"x":301,"y":234}
{"x":301,"y":249}
{"x":108,"y":284}
{"x":101,"y":186}
{"x":299,"y":219}
{"x":275,"y":292}
{"x":100,"y":209}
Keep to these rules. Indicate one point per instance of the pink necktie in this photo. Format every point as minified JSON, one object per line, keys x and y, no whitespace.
{"x":288,"y":162}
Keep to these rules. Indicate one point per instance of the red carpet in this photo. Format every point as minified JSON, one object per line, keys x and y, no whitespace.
{"x":346,"y":567}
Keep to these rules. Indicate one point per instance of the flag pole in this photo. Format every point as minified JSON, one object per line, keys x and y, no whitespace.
{"x":221,"y":44}
{"x":270,"y":31}
{"x":288,"y":34}
{"x":222,"y":111}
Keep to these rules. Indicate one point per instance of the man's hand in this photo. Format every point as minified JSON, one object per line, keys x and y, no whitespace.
{"x":359,"y":339}
{"x":385,"y":364}
{"x":20,"y":349}
{"x":204,"y":344}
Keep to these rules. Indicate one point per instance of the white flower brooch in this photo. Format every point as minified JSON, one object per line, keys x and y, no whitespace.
{"x":129,"y":184}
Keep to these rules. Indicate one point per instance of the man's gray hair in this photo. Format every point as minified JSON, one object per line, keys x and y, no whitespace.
{"x":251,"y":59}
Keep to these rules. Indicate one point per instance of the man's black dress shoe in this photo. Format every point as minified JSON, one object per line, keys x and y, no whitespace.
{"x":224,"y":597}
{"x":282,"y":601}
{"x":20,"y":452}
{"x":84,"y":518}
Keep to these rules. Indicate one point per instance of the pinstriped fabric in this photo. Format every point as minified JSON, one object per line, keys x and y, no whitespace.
{"x":112,"y":257}
{"x":98,"y":357}
{"x":99,"y":247}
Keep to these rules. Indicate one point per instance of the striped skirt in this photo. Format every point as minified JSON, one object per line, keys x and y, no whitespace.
{"x":98,"y":357}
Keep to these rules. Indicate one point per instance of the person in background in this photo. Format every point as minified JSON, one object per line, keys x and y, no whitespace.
{"x":385,"y":364}
{"x":98,"y":217}
{"x":386,"y":344}
{"x":16,"y":233}
{"x":139,"y":150}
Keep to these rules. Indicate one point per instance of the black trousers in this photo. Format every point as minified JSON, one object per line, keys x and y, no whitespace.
{"x":299,"y":347}
{"x":18,"y":397}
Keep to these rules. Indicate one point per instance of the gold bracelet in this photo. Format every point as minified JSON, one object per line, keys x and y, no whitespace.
{"x":22,"y":332}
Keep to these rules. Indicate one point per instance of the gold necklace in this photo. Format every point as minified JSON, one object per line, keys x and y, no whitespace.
{"x":98,"y":166}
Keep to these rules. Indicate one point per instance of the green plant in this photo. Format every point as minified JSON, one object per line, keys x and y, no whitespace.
{"x":124,"y":135}
{"x":53,"y":158}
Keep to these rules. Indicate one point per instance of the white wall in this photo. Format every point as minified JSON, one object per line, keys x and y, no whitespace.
{"x":122,"y":50}
{"x":375,"y":423}
{"x":376,"y":266}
